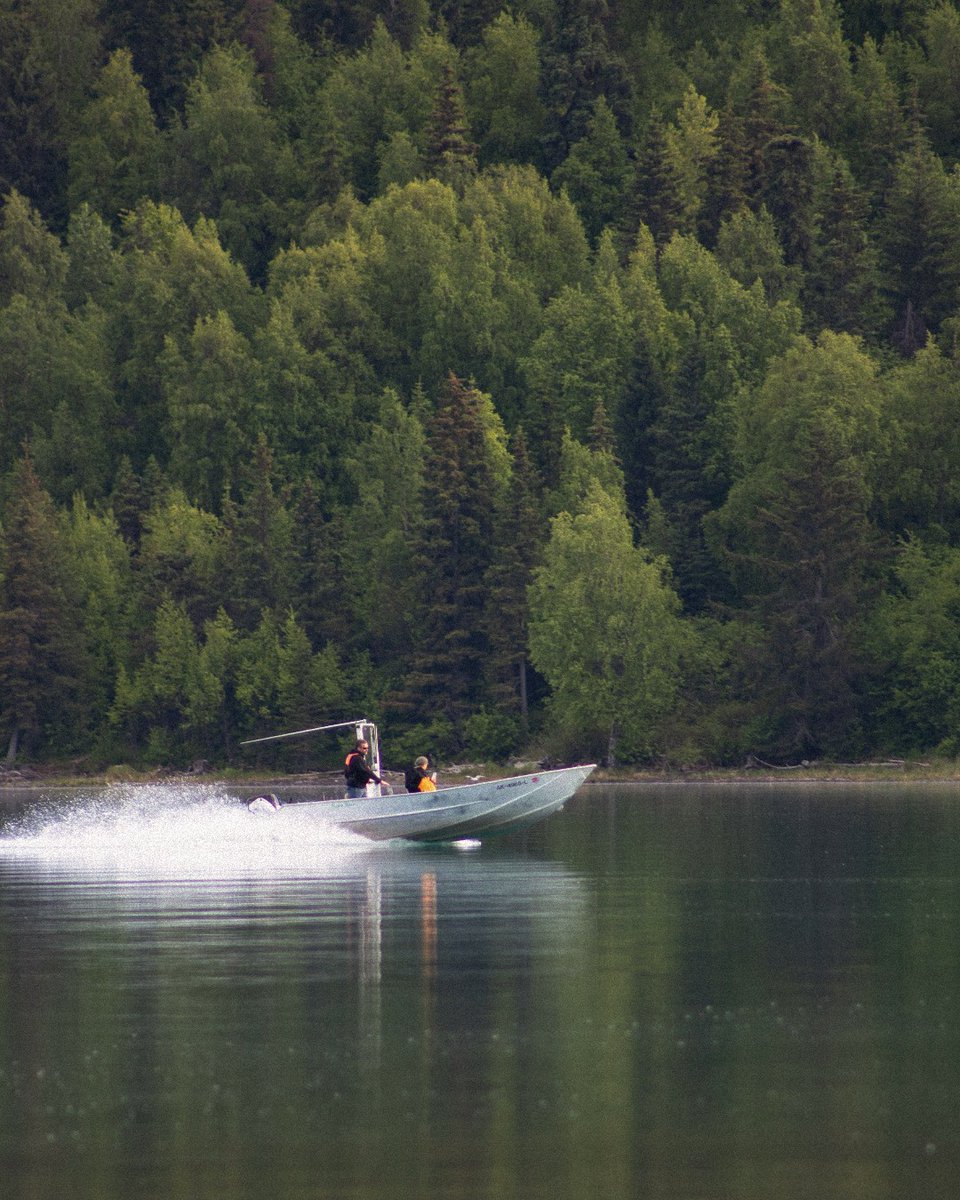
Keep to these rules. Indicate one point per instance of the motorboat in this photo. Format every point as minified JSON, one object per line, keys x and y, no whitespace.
{"x":477,"y":810}
{"x":470,"y":810}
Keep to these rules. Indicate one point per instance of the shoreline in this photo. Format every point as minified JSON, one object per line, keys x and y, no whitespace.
{"x":33,"y":777}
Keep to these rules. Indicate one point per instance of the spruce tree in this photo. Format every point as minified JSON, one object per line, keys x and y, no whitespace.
{"x":32,"y":261}
{"x":450,"y":155}
{"x":787,"y":194}
{"x":763,"y":122}
{"x":454,"y":552}
{"x":127,"y":502}
{"x":690,"y":467}
{"x":601,"y":435}
{"x":656,"y":193}
{"x":646,"y":393}
{"x":31,"y":145}
{"x":798,"y":538}
{"x":319,"y":588}
{"x":880,"y":132}
{"x":920,"y":244}
{"x":578,"y":67}
{"x":842,"y":285}
{"x":520,"y":535}
{"x":259,"y":566}
{"x":727,"y":177}
{"x":41,"y":651}
{"x":812,"y":546}
{"x":114,"y":156}
{"x":596,"y":171}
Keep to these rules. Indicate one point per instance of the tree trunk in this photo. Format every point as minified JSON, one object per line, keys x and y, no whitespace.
{"x":612,"y":746}
{"x":12,"y":747}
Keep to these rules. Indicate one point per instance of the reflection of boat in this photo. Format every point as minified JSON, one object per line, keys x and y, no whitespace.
{"x":471,"y":810}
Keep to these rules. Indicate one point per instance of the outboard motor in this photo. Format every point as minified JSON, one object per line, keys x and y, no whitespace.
{"x":267,"y":803}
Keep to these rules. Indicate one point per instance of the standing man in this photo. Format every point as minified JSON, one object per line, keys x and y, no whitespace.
{"x":356,"y":771}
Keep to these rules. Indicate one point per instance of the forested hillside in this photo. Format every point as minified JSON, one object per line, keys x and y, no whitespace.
{"x":568,"y":376}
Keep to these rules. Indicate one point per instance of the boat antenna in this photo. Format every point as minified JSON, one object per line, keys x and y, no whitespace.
{"x":276,"y":737}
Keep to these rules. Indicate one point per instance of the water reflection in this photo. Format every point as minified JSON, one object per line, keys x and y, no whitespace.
{"x":194,"y":1004}
{"x":663,"y":992}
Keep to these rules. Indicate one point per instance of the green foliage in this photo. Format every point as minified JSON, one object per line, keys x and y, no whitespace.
{"x":490,"y":735}
{"x":449,"y":154}
{"x":843,"y":283}
{"x":921,"y":477}
{"x":519,"y":536}
{"x":581,"y":470}
{"x":747,"y":246}
{"x":462,"y":491}
{"x":153,"y":704}
{"x":377,"y":92}
{"x":42,"y":653}
{"x":168,"y":41}
{"x":809,"y":51}
{"x":660,"y":197}
{"x":604,"y":632}
{"x":99,"y":570}
{"x":212,"y":390}
{"x":179,"y":557}
{"x":502,"y":85}
{"x":695,"y":284}
{"x":32,"y":261}
{"x":115,"y":154}
{"x":257,"y":559}
{"x":433,"y":738}
{"x":919,"y":238}
{"x":915,"y":645}
{"x":581,"y":358}
{"x":595,"y":171}
{"x":247,"y":248}
{"x":94,"y":266}
{"x":170,"y":276}
{"x":880,"y":129}
{"x":230,"y":162}
{"x":691,"y":145}
{"x":280,"y":682}
{"x":579,"y":66}
{"x":938,"y":84}
{"x":692,"y":462}
{"x":800,"y":543}
{"x":31,"y":147}
{"x":387,"y":469}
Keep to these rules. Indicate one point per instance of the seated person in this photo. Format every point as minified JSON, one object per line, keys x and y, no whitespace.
{"x":419,"y":777}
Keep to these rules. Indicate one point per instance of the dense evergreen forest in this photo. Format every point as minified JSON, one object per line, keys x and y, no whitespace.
{"x":568,"y":377}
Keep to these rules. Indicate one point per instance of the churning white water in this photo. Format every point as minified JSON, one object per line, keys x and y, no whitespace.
{"x":171,"y":831}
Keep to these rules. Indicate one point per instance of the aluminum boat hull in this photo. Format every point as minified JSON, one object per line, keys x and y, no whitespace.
{"x":473,"y":810}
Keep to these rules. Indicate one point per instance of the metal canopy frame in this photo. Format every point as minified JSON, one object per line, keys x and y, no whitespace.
{"x":365,"y":729}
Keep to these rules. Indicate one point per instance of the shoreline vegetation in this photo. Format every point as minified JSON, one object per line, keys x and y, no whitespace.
{"x":753,"y":770}
{"x":624,"y":339}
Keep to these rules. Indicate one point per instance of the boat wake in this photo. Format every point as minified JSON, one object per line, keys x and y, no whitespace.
{"x":170,"y":831}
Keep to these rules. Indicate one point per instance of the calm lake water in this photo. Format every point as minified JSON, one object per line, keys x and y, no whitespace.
{"x":715,"y":992}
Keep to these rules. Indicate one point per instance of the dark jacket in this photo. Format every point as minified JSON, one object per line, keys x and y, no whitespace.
{"x":419,"y":779}
{"x":412,"y":777}
{"x":356,"y":772}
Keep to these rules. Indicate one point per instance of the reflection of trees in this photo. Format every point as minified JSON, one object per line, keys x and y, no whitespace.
{"x":716,"y":984}
{"x":768,"y":988}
